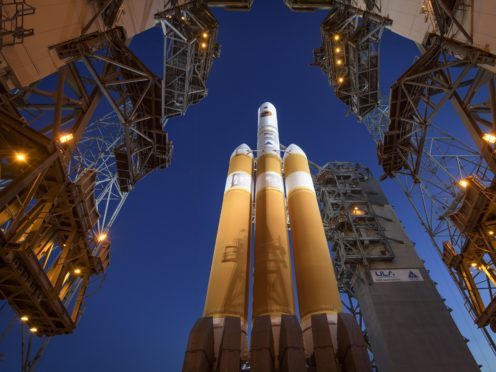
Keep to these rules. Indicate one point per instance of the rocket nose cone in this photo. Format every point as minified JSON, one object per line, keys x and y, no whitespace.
{"x":267,"y":106}
{"x":294,"y":149}
{"x":242,"y":149}
{"x":267,"y":114}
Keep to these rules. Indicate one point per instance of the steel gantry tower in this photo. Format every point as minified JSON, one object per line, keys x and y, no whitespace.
{"x":65,"y":176}
{"x":448,"y":180}
{"x":383,"y":282}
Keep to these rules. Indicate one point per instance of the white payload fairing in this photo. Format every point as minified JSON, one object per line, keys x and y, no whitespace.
{"x":324,"y":339}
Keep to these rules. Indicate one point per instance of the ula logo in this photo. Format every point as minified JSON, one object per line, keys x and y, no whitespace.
{"x":385,"y":274}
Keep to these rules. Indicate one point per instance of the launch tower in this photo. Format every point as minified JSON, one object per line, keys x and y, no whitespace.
{"x":407,"y":324}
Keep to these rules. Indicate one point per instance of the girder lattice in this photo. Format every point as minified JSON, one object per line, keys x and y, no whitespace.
{"x":12,"y":29}
{"x":190,"y":46}
{"x":349,"y":55}
{"x":435,"y":195}
{"x":353,"y":228}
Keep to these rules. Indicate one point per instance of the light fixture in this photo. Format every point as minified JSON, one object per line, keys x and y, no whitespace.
{"x":463,"y":183}
{"x":77,"y":271}
{"x":340,"y":80}
{"x":357,"y":211}
{"x":489,"y":138}
{"x":336,"y":37}
{"x":338,"y":50}
{"x":33,"y":329}
{"x":66,"y":137}
{"x":490,"y":232}
{"x":205,"y":35}
{"x":24,"y":318}
{"x":101,"y":237}
{"x":21,"y":157}
{"x":203,"y":45}
{"x":339,"y":62}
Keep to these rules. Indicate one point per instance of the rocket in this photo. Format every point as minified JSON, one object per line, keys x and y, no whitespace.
{"x":227,"y":293}
{"x":285,"y":203}
{"x":315,"y":279}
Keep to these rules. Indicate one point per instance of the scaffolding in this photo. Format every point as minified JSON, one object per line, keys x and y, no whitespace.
{"x":353,"y":228}
{"x":12,"y":29}
{"x":349,"y":55}
{"x":308,"y":5}
{"x":448,"y":182}
{"x":351,"y":224}
{"x":64,"y":179}
{"x":441,"y":204}
{"x":231,"y":4}
{"x":190,"y":47}
{"x":428,"y":160}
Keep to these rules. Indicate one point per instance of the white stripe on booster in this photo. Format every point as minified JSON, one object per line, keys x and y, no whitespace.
{"x":239,"y":180}
{"x":269,"y":179}
{"x":299,"y":179}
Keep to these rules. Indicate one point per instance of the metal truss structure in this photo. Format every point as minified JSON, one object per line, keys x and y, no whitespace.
{"x":12,"y":13}
{"x":353,"y":228}
{"x":95,"y":151}
{"x":190,"y":46}
{"x":349,"y":55}
{"x":231,"y":4}
{"x":437,"y":198}
{"x":64,"y":179}
{"x":428,"y":160}
{"x":448,"y":182}
{"x":308,"y":5}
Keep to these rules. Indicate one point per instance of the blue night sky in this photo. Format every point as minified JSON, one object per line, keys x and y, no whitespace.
{"x":162,"y":241}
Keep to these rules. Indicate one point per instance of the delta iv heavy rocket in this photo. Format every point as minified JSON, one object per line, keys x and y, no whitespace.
{"x":325,"y":338}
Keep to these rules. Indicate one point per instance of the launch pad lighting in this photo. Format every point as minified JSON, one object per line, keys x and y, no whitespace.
{"x":21,"y":157}
{"x":205,"y":35}
{"x":33,"y":329}
{"x":340,"y":80}
{"x":24,"y":318}
{"x":357,"y":211}
{"x":489,"y":138}
{"x":336,"y":37}
{"x":101,"y":237}
{"x":491,"y":232}
{"x":203,"y":45}
{"x":463,"y":183}
{"x":66,"y":137}
{"x":339,"y":62}
{"x":338,"y":50}
{"x":77,"y":271}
